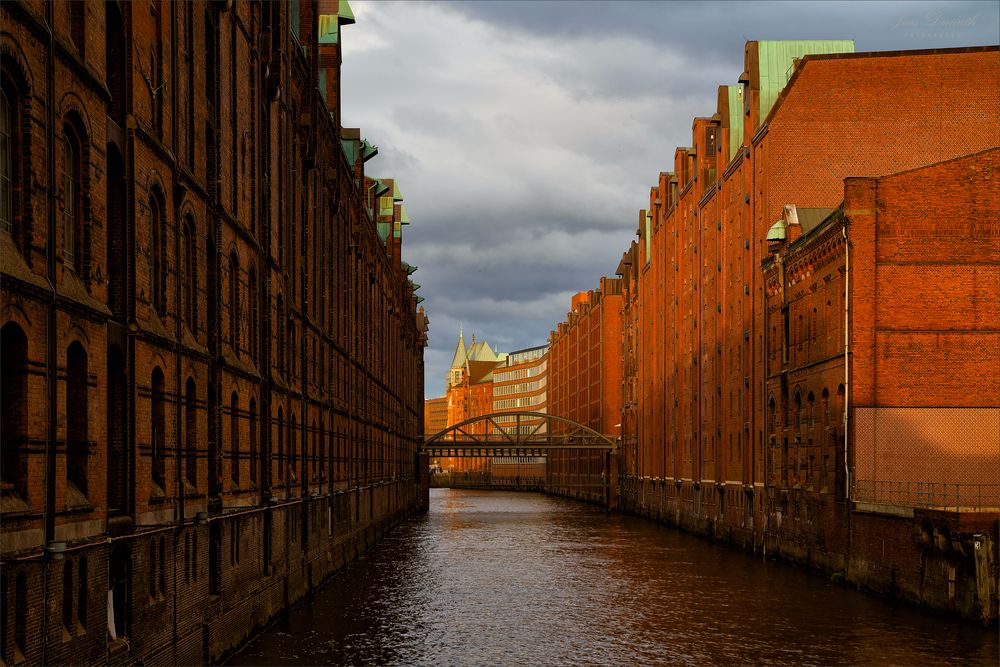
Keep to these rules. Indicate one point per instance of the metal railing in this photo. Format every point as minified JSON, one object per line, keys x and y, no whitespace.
{"x":954,"y":497}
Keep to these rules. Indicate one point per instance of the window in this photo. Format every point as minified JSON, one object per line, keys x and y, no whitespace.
{"x":20,"y":615}
{"x":253,"y":441}
{"x":14,"y":412}
{"x":252,"y":323}
{"x":158,"y":429}
{"x":234,"y":438}
{"x":280,"y":456}
{"x":72,"y":204}
{"x":191,"y":433}
{"x":81,"y":593}
{"x":163,"y":566}
{"x":189,"y":264}
{"x":158,"y":252}
{"x":234,"y":302}
{"x":8,"y":128}
{"x":77,"y":23}
{"x":280,"y":338}
{"x":67,"y":602}
{"x":77,"y":445}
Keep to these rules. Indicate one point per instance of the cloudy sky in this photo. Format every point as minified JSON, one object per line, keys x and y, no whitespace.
{"x":525,"y":135}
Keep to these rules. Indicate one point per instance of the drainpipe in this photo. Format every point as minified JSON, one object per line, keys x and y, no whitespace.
{"x":847,"y":349}
{"x":173,"y":142}
{"x":50,"y":334}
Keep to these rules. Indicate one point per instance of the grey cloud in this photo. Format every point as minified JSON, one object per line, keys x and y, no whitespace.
{"x":525,"y":136}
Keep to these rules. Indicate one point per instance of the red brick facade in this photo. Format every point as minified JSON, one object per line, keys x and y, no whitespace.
{"x":212,"y":362}
{"x":585,"y":381}
{"x":702,"y":335}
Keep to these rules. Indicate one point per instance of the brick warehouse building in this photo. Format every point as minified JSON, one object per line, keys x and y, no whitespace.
{"x":203,"y":416}
{"x":585,"y":384}
{"x":696,"y":436}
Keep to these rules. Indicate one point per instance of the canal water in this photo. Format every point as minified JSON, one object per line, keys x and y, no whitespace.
{"x":502,"y":578}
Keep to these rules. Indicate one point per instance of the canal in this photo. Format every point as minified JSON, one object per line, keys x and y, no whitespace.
{"x":516,"y":578}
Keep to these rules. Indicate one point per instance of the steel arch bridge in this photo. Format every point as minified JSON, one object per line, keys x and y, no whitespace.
{"x":558,"y":434}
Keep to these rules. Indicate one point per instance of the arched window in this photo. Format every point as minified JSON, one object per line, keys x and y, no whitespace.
{"x":825,"y":398}
{"x":71,"y":164}
{"x":234,"y":302}
{"x":158,"y":428}
{"x":191,"y":433}
{"x":158,"y":252}
{"x":280,"y":455}
{"x":189,"y":271}
{"x":811,"y":409}
{"x":14,"y":413}
{"x":8,"y":154}
{"x":253,"y":440}
{"x":234,"y":438}
{"x":77,"y":431}
{"x":119,"y":577}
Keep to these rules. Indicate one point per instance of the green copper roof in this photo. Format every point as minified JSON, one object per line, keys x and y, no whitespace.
{"x":404,"y":219}
{"x":350,"y":147}
{"x":420,"y":299}
{"x":396,"y":194}
{"x":649,"y":235}
{"x":368,"y":150}
{"x":345,"y":13}
{"x":735,"y":95}
{"x":775,"y":58}
{"x":383,"y":230}
{"x":397,"y":231}
{"x":778,"y":231}
{"x":416,"y":286}
{"x":409,"y":268}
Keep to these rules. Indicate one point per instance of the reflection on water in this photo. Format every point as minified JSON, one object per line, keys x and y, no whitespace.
{"x":513,"y":578}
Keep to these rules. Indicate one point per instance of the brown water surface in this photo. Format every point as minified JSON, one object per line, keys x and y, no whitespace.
{"x":502,"y":578}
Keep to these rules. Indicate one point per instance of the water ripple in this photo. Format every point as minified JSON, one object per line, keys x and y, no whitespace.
{"x":525,"y":579}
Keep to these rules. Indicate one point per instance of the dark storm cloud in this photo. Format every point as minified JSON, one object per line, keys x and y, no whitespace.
{"x":525,"y":136}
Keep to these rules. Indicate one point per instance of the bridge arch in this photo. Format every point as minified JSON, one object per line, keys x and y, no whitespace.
{"x":568,"y":434}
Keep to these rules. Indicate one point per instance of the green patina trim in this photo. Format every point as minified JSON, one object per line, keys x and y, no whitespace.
{"x":384,"y":229}
{"x":368,"y":150}
{"x":735,"y":98}
{"x":404,"y":218}
{"x":345,"y":13}
{"x":397,"y":195}
{"x":329,"y":29}
{"x":350,"y":147}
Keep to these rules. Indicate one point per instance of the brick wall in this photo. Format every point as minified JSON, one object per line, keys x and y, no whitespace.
{"x":225,"y":271}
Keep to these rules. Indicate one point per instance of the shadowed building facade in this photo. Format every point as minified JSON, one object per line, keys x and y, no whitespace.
{"x":212,"y":359}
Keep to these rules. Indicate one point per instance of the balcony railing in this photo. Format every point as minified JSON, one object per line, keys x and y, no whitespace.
{"x":952,"y":497}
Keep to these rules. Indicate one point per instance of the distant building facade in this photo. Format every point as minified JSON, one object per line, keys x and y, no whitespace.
{"x":585,"y":383}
